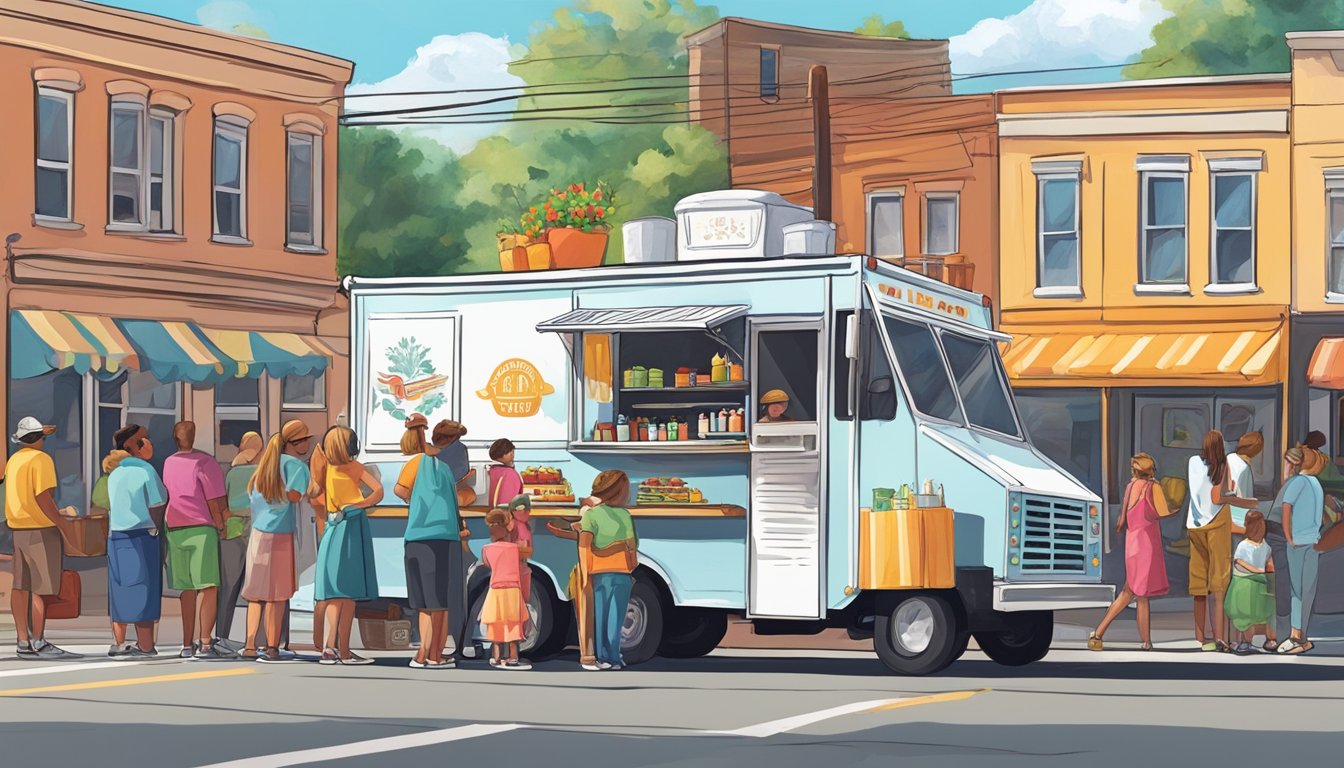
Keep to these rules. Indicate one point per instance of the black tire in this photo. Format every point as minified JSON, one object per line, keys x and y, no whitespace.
{"x":690,"y":633}
{"x":917,"y":636}
{"x":643,"y":628}
{"x":959,"y":648}
{"x":550,"y":619}
{"x":1026,"y":639}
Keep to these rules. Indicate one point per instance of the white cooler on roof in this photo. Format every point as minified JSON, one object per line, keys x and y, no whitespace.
{"x":734,"y":224}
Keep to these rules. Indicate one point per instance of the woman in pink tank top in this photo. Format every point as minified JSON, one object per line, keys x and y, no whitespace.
{"x":1145,"y":570}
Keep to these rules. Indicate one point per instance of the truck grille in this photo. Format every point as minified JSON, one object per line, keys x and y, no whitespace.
{"x":1052,"y":536}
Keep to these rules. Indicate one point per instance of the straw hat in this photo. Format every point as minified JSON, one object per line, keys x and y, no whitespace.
{"x":774,"y":396}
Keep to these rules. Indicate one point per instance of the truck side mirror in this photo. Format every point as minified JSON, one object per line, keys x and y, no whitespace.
{"x":879,"y":402}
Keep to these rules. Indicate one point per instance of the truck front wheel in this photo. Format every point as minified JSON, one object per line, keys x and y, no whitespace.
{"x":690,"y":633}
{"x":643,"y":628}
{"x":1026,"y":639}
{"x":918,"y":636}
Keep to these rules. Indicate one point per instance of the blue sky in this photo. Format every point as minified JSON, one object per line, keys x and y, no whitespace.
{"x":419,"y":45}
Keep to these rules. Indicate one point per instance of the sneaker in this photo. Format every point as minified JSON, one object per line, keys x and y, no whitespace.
{"x":473,"y":652}
{"x":593,"y":667}
{"x":1208,"y":647}
{"x":1243,"y":649}
{"x":232,"y":646}
{"x":605,"y":666}
{"x":357,"y":660}
{"x":288,"y":655}
{"x":187,"y":652}
{"x":420,"y":664}
{"x":445,"y":664}
{"x":517,"y":665}
{"x":265,"y":656}
{"x":329,"y":657}
{"x":48,"y":652}
{"x":214,"y":653}
{"x":25,"y":651}
{"x":119,"y":652}
{"x":136,"y":653}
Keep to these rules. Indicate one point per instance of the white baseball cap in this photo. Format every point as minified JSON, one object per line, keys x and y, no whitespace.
{"x":28,"y":426}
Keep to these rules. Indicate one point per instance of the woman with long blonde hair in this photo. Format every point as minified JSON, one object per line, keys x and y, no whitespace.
{"x":234,"y":540}
{"x":345,"y":567}
{"x":274,"y":492}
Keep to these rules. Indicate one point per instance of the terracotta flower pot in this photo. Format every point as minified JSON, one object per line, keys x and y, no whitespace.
{"x":574,"y":248}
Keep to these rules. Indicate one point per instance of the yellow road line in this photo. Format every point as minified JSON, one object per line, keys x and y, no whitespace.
{"x":130,"y":681}
{"x":936,"y":698}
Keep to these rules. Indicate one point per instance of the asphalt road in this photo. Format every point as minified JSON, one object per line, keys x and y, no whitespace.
{"x":734,"y":708}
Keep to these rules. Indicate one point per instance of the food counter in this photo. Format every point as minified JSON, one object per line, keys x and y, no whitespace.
{"x":572,"y":510}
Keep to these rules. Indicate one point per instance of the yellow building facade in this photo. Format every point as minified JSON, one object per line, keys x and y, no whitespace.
{"x":1145,"y":268}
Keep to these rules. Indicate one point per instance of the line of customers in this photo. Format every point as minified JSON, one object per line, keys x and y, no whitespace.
{"x":1241,"y":559}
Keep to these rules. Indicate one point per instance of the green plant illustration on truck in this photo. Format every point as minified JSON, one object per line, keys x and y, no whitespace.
{"x":410,"y":383}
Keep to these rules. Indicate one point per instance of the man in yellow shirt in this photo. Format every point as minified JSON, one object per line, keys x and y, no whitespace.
{"x":30,"y":511}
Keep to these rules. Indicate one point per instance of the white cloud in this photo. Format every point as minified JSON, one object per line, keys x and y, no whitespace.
{"x":1059,"y":33}
{"x":445,"y":63}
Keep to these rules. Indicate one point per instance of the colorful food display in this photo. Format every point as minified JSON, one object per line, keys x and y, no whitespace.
{"x":668,"y":490}
{"x":547,"y":484}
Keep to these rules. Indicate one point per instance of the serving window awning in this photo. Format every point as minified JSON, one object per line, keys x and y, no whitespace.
{"x":1225,"y":353}
{"x":691,"y":318}
{"x":275,"y":353}
{"x":1326,"y":369}
{"x":42,"y":341}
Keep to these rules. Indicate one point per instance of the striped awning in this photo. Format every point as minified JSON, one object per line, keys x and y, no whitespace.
{"x":178,"y":351}
{"x":44,"y":340}
{"x":1226,"y":352}
{"x":1326,"y":369}
{"x":275,"y":353}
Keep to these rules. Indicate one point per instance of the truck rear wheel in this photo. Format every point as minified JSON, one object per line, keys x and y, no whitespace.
{"x":1026,"y":639}
{"x":918,"y":636}
{"x":689,"y":633}
{"x":643,"y":628}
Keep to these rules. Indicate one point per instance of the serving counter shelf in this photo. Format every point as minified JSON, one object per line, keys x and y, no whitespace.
{"x":547,"y":509}
{"x":695,"y":445}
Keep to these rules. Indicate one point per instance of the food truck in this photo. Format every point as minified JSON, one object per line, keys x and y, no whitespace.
{"x":813,"y":441}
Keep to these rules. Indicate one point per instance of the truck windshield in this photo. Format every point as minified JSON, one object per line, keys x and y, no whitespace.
{"x":984,"y":393}
{"x":922,"y":367}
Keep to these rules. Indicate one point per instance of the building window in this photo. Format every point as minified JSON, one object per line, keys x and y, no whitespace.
{"x":1057,"y":257}
{"x":55,"y":109}
{"x":886,"y":224}
{"x":1334,"y":202}
{"x":237,"y":409}
{"x":230,"y":179}
{"x":1162,"y":254}
{"x":303,"y":217}
{"x":940,"y":222}
{"x":137,"y":398}
{"x":769,"y":73}
{"x":304,"y":393}
{"x":162,"y":191}
{"x":1233,"y":221}
{"x":126,"y":187}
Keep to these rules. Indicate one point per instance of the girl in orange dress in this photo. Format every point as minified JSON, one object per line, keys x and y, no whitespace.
{"x":504,"y":612}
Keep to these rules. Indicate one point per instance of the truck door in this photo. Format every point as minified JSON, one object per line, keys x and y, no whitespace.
{"x":785,"y":574}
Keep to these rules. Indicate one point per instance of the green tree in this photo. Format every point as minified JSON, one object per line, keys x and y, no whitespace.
{"x":1228,"y":37}
{"x":448,"y":212}
{"x":876,"y":27}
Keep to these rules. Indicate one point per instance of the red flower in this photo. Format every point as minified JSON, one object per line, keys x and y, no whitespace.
{"x":601,"y":212}
{"x":597,"y":193}
{"x":562,"y":195}
{"x":552,"y":215}
{"x":533,"y":209}
{"x":590,"y":210}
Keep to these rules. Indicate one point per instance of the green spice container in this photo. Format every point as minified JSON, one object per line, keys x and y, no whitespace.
{"x":639,"y":376}
{"x":882,"y":499}
{"x":655,"y":377}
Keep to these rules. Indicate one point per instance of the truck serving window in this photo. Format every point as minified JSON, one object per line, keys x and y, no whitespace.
{"x":984,"y":393}
{"x":922,"y":367}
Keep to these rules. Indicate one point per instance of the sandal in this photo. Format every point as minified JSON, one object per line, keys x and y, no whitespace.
{"x":1271,"y":646}
{"x":1094,"y":643}
{"x":1222,"y":646}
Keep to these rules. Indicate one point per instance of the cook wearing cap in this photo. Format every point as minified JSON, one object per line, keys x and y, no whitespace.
{"x":775,"y":404}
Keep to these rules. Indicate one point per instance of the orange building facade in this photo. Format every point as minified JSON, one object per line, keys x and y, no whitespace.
{"x":169,"y":215}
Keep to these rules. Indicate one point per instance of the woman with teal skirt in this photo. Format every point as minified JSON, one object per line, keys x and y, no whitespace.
{"x":345,"y":569}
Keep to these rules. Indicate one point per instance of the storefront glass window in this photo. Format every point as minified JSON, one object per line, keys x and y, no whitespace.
{"x":57,"y":399}
{"x":136,"y":397}
{"x":237,"y":410}
{"x":1066,"y":426}
{"x":300,"y":393}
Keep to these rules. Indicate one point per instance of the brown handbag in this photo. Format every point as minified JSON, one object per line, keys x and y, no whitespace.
{"x":66,"y":604}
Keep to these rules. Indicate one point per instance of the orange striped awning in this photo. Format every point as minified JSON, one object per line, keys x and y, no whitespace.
{"x":1224,"y":353}
{"x":1327,"y":365}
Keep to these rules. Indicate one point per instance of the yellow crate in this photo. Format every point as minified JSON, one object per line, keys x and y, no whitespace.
{"x":906,"y":549}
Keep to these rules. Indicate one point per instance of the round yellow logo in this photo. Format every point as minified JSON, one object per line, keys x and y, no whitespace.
{"x":516,"y":389}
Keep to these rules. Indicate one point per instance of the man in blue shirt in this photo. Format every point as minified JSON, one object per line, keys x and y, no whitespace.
{"x":137,"y":499}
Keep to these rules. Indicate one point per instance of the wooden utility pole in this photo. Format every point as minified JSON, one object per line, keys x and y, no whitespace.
{"x":818,"y":92}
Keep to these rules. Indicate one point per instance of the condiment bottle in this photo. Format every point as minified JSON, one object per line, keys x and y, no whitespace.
{"x":718,"y":371}
{"x":736,"y":422}
{"x":683,"y":430}
{"x":662,"y":432}
{"x":622,"y":429}
{"x":672,"y":428}
{"x":703,"y":425}
{"x":723,"y":421}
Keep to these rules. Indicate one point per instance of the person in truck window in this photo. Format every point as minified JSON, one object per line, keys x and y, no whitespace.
{"x":775,"y":407}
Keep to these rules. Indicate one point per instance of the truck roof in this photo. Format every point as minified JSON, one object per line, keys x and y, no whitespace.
{"x":680,"y":270}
